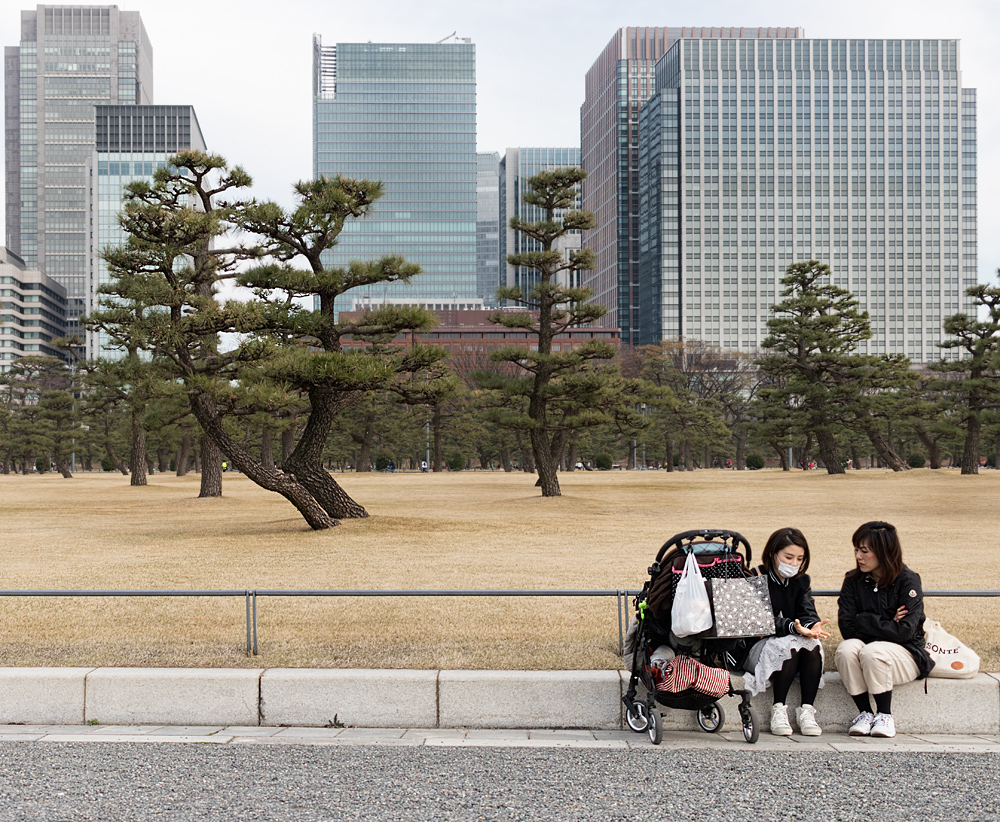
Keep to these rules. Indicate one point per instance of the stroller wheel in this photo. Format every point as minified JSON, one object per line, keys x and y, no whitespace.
{"x":639,"y":720}
{"x":655,"y":727}
{"x":711,"y":718}
{"x":751,"y":731}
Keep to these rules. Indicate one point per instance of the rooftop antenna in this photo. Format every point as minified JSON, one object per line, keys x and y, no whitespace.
{"x":448,"y":37}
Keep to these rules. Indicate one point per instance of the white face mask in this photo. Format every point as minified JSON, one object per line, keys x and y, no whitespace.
{"x":787,"y":571}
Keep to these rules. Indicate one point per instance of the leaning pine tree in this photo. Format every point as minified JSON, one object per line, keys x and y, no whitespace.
{"x":551,"y":394}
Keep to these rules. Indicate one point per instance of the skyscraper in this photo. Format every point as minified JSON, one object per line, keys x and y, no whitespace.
{"x":617,"y":85}
{"x":131,"y":143}
{"x":32,"y":312}
{"x":487,"y":227}
{"x":70,"y":58}
{"x":758,"y":154}
{"x":405,"y":114}
{"x":516,"y":167}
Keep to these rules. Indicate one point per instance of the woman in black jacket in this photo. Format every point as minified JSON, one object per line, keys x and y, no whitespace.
{"x":881,"y":617}
{"x":795,"y":648}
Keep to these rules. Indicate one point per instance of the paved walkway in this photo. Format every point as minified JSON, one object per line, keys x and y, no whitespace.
{"x":449,"y":738}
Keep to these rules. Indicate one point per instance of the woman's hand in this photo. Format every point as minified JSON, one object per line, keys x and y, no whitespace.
{"x":814,"y":631}
{"x":900,"y":613}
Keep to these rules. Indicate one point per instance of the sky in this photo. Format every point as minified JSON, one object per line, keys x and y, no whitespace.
{"x":246,"y":65}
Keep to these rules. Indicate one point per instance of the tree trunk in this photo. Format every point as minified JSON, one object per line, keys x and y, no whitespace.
{"x":885,"y":451}
{"x":206,"y":413}
{"x":741,"y":450}
{"x":505,"y":459}
{"x":828,"y":451}
{"x":708,"y":456}
{"x":437,"y":439}
{"x":364,"y":463}
{"x":688,"y":458}
{"x":669,"y":445}
{"x":782,"y":456}
{"x":546,"y":464}
{"x":211,"y":468}
{"x":184,"y":455}
{"x":571,"y":456}
{"x":305,"y":463}
{"x":970,"y":454}
{"x":137,"y":460}
{"x":288,"y":437}
{"x":267,"y":447}
{"x":932,"y":446}
{"x":161,"y":460}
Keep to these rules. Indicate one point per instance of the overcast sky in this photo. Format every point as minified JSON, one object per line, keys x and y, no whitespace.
{"x":246,"y":65}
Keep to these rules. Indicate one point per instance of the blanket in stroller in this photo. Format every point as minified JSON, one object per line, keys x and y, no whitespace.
{"x":683,"y":673}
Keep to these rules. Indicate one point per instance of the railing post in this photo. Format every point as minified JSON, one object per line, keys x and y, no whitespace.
{"x":255,"y":623}
{"x":247,"y":596}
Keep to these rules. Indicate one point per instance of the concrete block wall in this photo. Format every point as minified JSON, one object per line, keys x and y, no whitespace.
{"x":427,"y":699}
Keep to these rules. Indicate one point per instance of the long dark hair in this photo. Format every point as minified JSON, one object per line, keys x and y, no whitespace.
{"x":782,"y":538}
{"x":882,"y":540}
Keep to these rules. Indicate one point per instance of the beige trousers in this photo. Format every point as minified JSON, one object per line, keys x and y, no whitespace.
{"x":874,"y":667}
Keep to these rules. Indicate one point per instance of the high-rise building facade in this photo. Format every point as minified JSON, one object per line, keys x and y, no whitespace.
{"x":516,"y":167}
{"x":32,"y":312}
{"x":131,"y":143}
{"x":405,"y":114}
{"x":758,"y":154}
{"x":620,"y":81}
{"x":487,"y":227}
{"x":70,"y":58}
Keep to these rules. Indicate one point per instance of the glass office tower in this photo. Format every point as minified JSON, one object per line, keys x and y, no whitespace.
{"x":70,"y":58}
{"x":619,"y":82}
{"x":758,"y":154}
{"x":516,"y":167}
{"x":404,"y":114}
{"x":487,"y":227}
{"x":132,"y":142}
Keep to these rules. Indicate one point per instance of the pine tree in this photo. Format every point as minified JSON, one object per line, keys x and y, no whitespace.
{"x":553,"y":394}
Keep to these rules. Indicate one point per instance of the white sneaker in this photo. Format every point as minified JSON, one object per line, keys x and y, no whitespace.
{"x":780,"y":725}
{"x":862,"y":725}
{"x":806,"y":718}
{"x":884,"y":726}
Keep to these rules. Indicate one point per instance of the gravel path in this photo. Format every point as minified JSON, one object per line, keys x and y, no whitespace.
{"x":62,"y":782}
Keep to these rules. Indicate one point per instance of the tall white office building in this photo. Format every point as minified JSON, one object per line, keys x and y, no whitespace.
{"x":754,"y":154}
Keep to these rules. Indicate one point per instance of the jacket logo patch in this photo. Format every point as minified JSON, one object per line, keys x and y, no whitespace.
{"x":912,"y":594}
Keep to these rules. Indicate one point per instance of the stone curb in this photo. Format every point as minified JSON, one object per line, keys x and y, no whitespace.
{"x":303,"y":697}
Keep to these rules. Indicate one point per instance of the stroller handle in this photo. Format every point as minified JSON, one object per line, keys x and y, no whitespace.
{"x":731,"y":540}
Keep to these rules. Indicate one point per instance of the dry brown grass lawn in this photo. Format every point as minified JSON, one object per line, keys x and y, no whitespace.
{"x":459,"y":530}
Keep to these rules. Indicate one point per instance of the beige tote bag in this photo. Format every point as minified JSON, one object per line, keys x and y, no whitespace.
{"x":952,"y":658}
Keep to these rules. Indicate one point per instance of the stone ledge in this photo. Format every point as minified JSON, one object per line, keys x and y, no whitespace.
{"x":173,"y":696}
{"x":434,"y":699}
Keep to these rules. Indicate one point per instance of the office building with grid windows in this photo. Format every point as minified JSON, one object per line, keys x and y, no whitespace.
{"x":617,"y":85}
{"x":516,"y":167}
{"x":32,"y":312}
{"x":405,"y":114}
{"x":758,"y":154}
{"x":487,"y":227}
{"x":131,"y":143}
{"x":69,"y":59}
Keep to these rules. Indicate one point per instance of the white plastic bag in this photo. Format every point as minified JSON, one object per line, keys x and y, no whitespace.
{"x":691,"y":612}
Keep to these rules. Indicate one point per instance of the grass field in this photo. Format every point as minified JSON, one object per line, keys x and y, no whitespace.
{"x":432,"y":531}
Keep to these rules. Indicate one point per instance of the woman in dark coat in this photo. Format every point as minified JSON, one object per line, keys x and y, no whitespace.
{"x":881,"y":617}
{"x":795,"y":649}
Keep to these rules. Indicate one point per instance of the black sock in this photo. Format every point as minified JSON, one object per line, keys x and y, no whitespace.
{"x":883,"y":702}
{"x":863,"y":702}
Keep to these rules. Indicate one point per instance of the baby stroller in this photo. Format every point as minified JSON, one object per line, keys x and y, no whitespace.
{"x":719,"y":554}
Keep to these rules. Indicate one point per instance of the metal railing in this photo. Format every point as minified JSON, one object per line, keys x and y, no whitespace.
{"x":621,"y":596}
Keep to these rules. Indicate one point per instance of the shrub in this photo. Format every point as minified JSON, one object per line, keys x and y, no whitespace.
{"x":456,"y":462}
{"x":107,"y":465}
{"x":755,"y":462}
{"x":381,"y":463}
{"x":916,"y":460}
{"x":603,"y":462}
